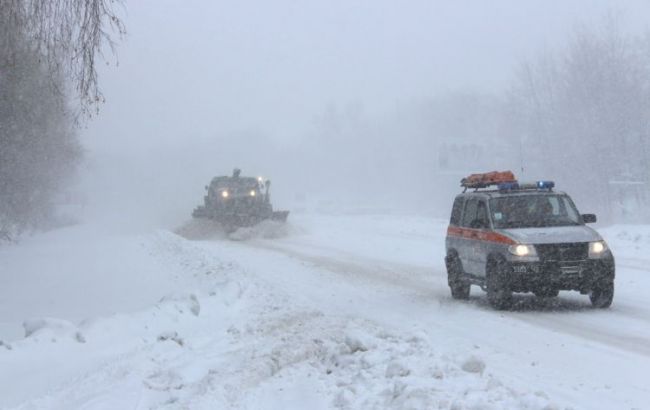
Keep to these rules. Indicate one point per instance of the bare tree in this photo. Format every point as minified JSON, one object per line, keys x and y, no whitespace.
{"x":47,"y":49}
{"x":582,"y":112}
{"x":68,"y":35}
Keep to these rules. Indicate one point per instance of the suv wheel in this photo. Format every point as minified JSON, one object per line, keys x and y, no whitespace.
{"x":459,"y":286}
{"x":498,"y":291}
{"x":602,"y":295}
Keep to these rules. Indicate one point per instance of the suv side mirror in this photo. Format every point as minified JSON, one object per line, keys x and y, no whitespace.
{"x":589,"y":218}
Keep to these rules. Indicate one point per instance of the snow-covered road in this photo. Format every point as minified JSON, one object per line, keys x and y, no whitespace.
{"x":346,"y":311}
{"x":567,"y":343}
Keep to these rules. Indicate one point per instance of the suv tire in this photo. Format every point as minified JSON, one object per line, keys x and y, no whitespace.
{"x":498,"y":291}
{"x":602,"y":295}
{"x":460,"y":287}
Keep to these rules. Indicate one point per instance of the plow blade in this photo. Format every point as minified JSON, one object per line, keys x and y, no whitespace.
{"x":280,"y":216}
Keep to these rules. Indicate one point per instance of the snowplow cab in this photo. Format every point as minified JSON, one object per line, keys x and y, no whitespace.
{"x":236,"y":201}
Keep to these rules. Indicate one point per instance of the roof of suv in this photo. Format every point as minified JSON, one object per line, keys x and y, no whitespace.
{"x":493,"y":193}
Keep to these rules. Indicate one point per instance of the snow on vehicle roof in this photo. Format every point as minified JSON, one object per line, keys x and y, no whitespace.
{"x":501,"y":193}
{"x":230,"y":182}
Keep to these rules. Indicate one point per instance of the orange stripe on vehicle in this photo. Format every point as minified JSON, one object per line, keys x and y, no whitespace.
{"x":479,"y":235}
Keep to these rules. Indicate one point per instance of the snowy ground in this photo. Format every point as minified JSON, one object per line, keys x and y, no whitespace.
{"x":327,"y":312}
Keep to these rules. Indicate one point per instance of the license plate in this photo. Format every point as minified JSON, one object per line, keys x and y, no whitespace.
{"x":519,"y":269}
{"x":570,"y":270}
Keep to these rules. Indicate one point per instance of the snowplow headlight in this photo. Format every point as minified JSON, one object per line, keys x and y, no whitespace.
{"x":252,"y":192}
{"x":522,"y":250}
{"x":224,"y":194}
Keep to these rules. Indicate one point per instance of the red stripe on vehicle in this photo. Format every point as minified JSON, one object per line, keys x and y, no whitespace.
{"x":479,"y":235}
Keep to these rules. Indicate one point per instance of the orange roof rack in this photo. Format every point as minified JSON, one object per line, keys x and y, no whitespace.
{"x":486,"y":179}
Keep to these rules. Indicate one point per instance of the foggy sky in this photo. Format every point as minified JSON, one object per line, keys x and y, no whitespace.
{"x":192,"y":70}
{"x":195,"y":67}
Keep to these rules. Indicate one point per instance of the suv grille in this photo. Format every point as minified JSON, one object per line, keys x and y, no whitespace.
{"x":563,"y":252}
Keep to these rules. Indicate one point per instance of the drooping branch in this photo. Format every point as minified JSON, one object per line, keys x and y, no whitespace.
{"x":70,"y":35}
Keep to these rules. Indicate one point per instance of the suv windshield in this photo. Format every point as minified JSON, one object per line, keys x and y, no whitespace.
{"x":533,"y":211}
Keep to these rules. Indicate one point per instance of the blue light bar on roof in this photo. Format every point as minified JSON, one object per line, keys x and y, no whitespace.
{"x":545,"y":185}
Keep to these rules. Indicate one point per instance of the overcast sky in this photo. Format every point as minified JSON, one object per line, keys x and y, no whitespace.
{"x":189,"y":69}
{"x":194,"y":76}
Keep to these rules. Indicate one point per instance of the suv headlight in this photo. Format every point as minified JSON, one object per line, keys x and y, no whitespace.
{"x":522,"y":250}
{"x":597,"y":249}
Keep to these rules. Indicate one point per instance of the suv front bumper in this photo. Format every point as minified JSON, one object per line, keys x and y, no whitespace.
{"x":576,"y":275}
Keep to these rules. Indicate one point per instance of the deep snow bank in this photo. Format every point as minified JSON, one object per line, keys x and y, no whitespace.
{"x":221,"y":336}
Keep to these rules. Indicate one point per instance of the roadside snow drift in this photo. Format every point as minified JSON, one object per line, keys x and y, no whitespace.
{"x":300,"y":322}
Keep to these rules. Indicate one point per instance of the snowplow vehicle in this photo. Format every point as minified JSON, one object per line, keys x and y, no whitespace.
{"x":506,"y":237}
{"x":236,"y":201}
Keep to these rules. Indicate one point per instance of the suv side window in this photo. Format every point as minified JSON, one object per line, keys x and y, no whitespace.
{"x":481,"y":220}
{"x":457,"y":211}
{"x":470,"y":212}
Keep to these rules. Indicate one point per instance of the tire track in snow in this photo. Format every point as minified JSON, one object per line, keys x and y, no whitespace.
{"x":573,"y":326}
{"x":417,"y":279}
